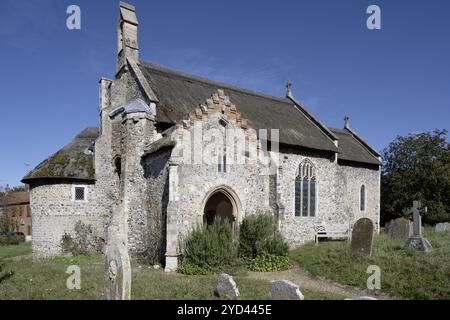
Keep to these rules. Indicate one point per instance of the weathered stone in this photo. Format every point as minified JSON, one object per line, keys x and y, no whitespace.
{"x":442,"y":227}
{"x":226,"y":287}
{"x":362,"y":236}
{"x":117,"y":273}
{"x":362,"y":298}
{"x":284,"y":290}
{"x":418,"y":241}
{"x":400,"y":229}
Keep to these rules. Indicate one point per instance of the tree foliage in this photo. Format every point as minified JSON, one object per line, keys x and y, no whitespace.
{"x":416,"y":167}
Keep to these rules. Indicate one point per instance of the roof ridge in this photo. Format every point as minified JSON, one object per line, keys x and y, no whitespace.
{"x":224,"y":85}
{"x":368,"y":147}
{"x":339,"y":130}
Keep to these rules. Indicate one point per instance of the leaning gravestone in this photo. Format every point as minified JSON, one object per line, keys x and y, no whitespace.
{"x":362,"y":236}
{"x":442,"y":227}
{"x":400,"y":229}
{"x":417,"y":241}
{"x":226,"y":287}
{"x":362,"y":298}
{"x":284,"y":290}
{"x":117,"y":273}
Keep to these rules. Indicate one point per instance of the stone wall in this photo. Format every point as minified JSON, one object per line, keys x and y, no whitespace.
{"x":349,"y":181}
{"x":55,"y":213}
{"x":338,"y":192}
{"x":298,"y":229}
{"x":137,"y":130}
{"x":194,"y":175}
{"x":157,"y":198}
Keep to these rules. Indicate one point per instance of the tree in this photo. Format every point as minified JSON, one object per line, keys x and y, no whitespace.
{"x":416,"y":167}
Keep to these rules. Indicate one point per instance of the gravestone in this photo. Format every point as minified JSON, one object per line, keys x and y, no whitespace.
{"x":117,"y":272}
{"x":400,"y":229}
{"x":417,"y":241}
{"x":442,"y":227}
{"x":226,"y":287}
{"x":362,"y":298}
{"x":362,"y":236}
{"x":284,"y":290}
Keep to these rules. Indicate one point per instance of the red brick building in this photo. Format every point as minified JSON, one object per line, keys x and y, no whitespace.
{"x":17,"y":206}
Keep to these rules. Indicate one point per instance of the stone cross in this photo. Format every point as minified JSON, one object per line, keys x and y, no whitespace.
{"x":346,"y":121}
{"x":417,"y":241}
{"x":289,"y":88}
{"x":417,"y":210}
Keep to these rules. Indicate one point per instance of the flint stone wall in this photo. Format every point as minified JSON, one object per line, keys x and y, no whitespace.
{"x":54,"y":214}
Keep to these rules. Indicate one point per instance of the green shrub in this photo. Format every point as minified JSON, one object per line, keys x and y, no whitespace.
{"x":193,"y":269}
{"x":83,"y":242}
{"x":258,"y":235}
{"x":67,"y":243}
{"x":210,"y":249}
{"x":4,"y":274}
{"x":11,"y":240}
{"x":266,"y":262}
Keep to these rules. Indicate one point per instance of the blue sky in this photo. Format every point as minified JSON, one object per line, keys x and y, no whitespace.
{"x":390,"y":82}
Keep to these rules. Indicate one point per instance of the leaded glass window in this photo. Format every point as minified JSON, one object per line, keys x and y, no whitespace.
{"x":305,"y":190}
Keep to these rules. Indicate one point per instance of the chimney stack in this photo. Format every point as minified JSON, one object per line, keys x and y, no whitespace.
{"x":127,"y":42}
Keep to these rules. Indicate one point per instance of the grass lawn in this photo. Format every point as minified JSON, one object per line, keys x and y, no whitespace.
{"x":15,"y":250}
{"x":405,"y":273}
{"x":46,"y":279}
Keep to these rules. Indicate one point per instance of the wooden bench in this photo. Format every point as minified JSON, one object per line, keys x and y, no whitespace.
{"x":333,"y":231}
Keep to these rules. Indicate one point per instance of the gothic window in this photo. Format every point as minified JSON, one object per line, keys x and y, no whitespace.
{"x":222,"y":156}
{"x":362,"y":198}
{"x":305,"y":190}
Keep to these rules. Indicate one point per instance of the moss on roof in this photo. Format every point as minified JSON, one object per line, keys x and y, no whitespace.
{"x":73,"y":161}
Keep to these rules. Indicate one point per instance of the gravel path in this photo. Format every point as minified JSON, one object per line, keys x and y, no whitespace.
{"x":307,"y":281}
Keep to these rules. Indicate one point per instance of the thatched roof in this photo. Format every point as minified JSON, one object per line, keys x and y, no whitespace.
{"x":352,"y":148}
{"x":73,"y":161}
{"x":179,"y":94}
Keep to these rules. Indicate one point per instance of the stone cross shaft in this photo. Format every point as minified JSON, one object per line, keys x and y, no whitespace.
{"x":417,"y":210}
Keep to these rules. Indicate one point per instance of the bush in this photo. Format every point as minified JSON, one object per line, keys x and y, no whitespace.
{"x":193,"y":269}
{"x":258,"y":235}
{"x":4,"y":274}
{"x":209,"y":249}
{"x":84,"y":241}
{"x":11,"y":239}
{"x":266,"y":262}
{"x":67,"y":243}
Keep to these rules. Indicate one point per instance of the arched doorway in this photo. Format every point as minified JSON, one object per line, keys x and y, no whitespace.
{"x":219,"y":206}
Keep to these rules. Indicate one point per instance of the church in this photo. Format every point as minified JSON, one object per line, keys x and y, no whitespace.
{"x":173,"y":151}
